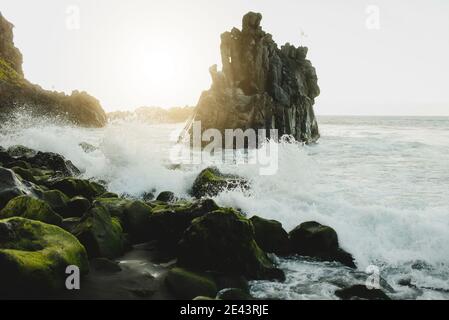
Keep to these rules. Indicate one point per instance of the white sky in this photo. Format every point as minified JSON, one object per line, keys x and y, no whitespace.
{"x":146,"y":52}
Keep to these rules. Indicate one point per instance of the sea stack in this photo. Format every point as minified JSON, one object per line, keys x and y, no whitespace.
{"x":17,"y":93}
{"x":261,"y":86}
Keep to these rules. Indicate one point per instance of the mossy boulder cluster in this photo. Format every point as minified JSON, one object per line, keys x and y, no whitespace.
{"x":50,"y":219}
{"x":16,"y":92}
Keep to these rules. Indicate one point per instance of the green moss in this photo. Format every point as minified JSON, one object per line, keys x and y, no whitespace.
{"x":9,"y":75}
{"x":31,"y":208}
{"x":223,"y":241}
{"x":34,"y":256}
{"x":57,"y":201}
{"x":210,"y":182}
{"x":25,"y":174}
{"x":100,"y":234}
{"x":187,"y":285}
{"x":73,"y":187}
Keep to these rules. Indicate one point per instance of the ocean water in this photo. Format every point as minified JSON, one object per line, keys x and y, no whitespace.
{"x":380,"y":182}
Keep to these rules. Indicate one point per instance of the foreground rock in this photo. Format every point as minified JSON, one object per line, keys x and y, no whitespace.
{"x":223,"y":241}
{"x":17,"y":93}
{"x":315,"y":240}
{"x":11,"y":186}
{"x":361,"y":292}
{"x":261,"y":86}
{"x":73,"y":187}
{"x":270,"y":236}
{"x":31,"y":208}
{"x":101,"y":234}
{"x":210,"y":182}
{"x":187,"y":285}
{"x":34,"y":257}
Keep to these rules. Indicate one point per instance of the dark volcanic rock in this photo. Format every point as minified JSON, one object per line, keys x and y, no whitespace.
{"x":101,"y":234}
{"x":10,"y":186}
{"x":16,"y":92}
{"x":223,"y":241}
{"x":361,"y":292}
{"x":210,"y":182}
{"x":270,"y":236}
{"x":166,"y":196}
{"x":261,"y":86}
{"x":315,"y":240}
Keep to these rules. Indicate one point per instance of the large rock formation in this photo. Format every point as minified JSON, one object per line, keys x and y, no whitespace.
{"x":261,"y":86}
{"x":16,"y":92}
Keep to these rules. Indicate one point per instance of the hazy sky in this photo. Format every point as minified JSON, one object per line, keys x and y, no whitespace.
{"x":374,"y":57}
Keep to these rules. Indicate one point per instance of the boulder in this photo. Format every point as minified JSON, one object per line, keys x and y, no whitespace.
{"x":361,"y":292}
{"x":270,"y":236}
{"x":55,"y":162}
{"x":57,"y":201}
{"x":223,"y":241}
{"x":25,"y":174}
{"x":166,"y":196}
{"x":168,"y":222}
{"x":315,"y":240}
{"x":34,"y":257}
{"x":73,"y":187}
{"x":11,"y":186}
{"x":77,"y":207}
{"x":210,"y":182}
{"x":134,"y":216}
{"x":260,"y":86}
{"x":101,"y":234}
{"x":30,"y":208}
{"x":21,"y":151}
{"x":187,"y":285}
{"x":87,"y":147}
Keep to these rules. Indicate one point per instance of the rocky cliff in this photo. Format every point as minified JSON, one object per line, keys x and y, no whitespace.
{"x":16,"y":92}
{"x":261,"y":86}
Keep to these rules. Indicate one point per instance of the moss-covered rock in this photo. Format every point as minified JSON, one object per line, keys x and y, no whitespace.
{"x":101,"y":234}
{"x":169,"y":221}
{"x":187,"y":285}
{"x":21,"y":151}
{"x":18,"y":163}
{"x":30,"y":208}
{"x":73,"y":187}
{"x":34,"y":257}
{"x":107,"y":195}
{"x":11,"y":186}
{"x":361,"y":292}
{"x":25,"y":174}
{"x":134,"y":216}
{"x":77,"y":207}
{"x":224,"y":241}
{"x":270,"y":236}
{"x":315,"y":240}
{"x":57,"y":201}
{"x":166,"y":196}
{"x":210,"y":182}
